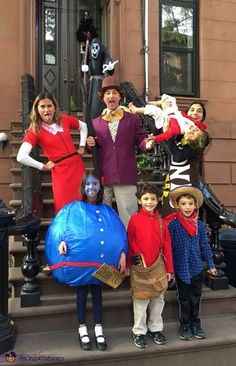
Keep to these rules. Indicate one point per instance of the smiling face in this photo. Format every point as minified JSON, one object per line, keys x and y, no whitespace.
{"x":92,"y":188}
{"x":192,"y":133}
{"x":148,"y":202}
{"x":112,"y":99}
{"x":186,"y":205}
{"x":46,"y":110}
{"x":196,"y":111}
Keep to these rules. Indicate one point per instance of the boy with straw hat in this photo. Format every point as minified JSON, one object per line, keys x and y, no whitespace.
{"x":190,"y":249}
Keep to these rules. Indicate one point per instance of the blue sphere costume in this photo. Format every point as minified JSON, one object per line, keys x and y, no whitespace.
{"x":94,"y":235}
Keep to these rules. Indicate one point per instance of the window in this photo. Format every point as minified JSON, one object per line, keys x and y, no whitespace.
{"x":50,"y":44}
{"x":179,"y":47}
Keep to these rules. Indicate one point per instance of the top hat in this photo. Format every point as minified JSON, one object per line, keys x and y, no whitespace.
{"x":184,"y":190}
{"x":110,"y":82}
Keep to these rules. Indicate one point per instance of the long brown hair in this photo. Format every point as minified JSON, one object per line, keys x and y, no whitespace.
{"x":35,"y":119}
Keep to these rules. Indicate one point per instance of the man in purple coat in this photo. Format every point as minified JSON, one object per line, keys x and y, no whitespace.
{"x":117,"y":135}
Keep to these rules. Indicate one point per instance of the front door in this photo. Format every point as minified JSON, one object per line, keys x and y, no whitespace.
{"x":59,"y":53}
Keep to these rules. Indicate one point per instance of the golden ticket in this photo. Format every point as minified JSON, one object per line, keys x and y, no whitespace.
{"x":110,"y":276}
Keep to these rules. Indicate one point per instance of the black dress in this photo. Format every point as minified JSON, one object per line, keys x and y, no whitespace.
{"x":185,"y":167}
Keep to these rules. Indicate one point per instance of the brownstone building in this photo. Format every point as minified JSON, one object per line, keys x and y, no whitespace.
{"x":193,"y":58}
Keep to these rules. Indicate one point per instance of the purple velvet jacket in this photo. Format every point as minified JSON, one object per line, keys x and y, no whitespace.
{"x":117,"y":160}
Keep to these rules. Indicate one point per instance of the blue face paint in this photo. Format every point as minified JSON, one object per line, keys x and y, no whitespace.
{"x":92,"y":187}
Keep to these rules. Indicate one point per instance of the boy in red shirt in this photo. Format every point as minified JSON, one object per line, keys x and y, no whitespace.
{"x":148,"y":236}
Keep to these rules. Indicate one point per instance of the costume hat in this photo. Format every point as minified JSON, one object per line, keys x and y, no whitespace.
{"x":110,"y":82}
{"x":184,"y":190}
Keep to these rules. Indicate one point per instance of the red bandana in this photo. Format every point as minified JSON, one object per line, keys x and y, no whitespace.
{"x":188,"y":223}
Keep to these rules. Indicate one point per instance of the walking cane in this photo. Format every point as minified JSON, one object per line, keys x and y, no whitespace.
{"x":85,"y":114}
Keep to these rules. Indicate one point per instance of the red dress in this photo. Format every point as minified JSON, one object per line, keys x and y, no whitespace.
{"x":68,"y":173}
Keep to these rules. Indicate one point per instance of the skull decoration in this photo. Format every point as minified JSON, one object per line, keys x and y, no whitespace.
{"x":95,"y":49}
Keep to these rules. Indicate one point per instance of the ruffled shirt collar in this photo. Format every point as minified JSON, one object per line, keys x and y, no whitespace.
{"x":53,"y":128}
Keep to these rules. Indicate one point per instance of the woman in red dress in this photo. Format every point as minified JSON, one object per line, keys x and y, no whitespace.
{"x":51,"y":131}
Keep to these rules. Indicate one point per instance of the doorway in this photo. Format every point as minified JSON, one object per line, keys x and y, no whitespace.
{"x":59,"y":54}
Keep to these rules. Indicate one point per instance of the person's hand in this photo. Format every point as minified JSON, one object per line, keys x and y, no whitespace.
{"x":62,"y":248}
{"x":122,"y":263}
{"x":150,"y":138}
{"x":84,"y":68}
{"x":108,"y":67}
{"x":127,"y":271}
{"x":149,"y":144}
{"x":132,"y":107}
{"x":81,"y":150}
{"x":212,"y":271}
{"x":49,"y":166}
{"x":91,"y":141}
{"x":170,"y":276}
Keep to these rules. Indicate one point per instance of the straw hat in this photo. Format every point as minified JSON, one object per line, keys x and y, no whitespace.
{"x":110,"y":82}
{"x":183,"y":190}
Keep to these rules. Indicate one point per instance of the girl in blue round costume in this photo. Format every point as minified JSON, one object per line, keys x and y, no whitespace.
{"x":84,"y":235}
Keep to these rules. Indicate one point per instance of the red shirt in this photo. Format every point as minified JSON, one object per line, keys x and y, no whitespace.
{"x":144,"y":237}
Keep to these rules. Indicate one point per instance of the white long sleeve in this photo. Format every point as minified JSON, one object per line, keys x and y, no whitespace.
{"x":23,"y":156}
{"x":83,"y":133}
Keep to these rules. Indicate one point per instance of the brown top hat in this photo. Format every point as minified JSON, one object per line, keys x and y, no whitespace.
{"x":110,"y":82}
{"x":183,"y":190}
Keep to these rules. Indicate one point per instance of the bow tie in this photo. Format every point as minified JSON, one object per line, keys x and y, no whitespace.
{"x":115,"y":115}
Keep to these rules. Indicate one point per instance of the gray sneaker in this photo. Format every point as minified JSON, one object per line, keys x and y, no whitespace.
{"x":185,"y":333}
{"x":158,"y":337}
{"x":198,"y":332}
{"x":139,"y":340}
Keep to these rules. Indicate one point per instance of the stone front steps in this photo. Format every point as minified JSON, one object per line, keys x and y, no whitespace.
{"x":62,"y":347}
{"x":58,"y":309}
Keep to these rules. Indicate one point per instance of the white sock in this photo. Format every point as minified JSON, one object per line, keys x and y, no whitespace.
{"x":99,"y":333}
{"x":83,"y":332}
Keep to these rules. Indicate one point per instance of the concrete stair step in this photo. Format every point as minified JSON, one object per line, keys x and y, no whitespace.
{"x":18,"y":251}
{"x":17,"y":188}
{"x":47,"y":284}
{"x":62,"y":347}
{"x":47,"y":203}
{"x":58,"y":311}
{"x":16,"y":125}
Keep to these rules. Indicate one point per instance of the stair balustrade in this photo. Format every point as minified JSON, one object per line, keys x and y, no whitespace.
{"x":7,"y":329}
{"x":31,"y":210}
